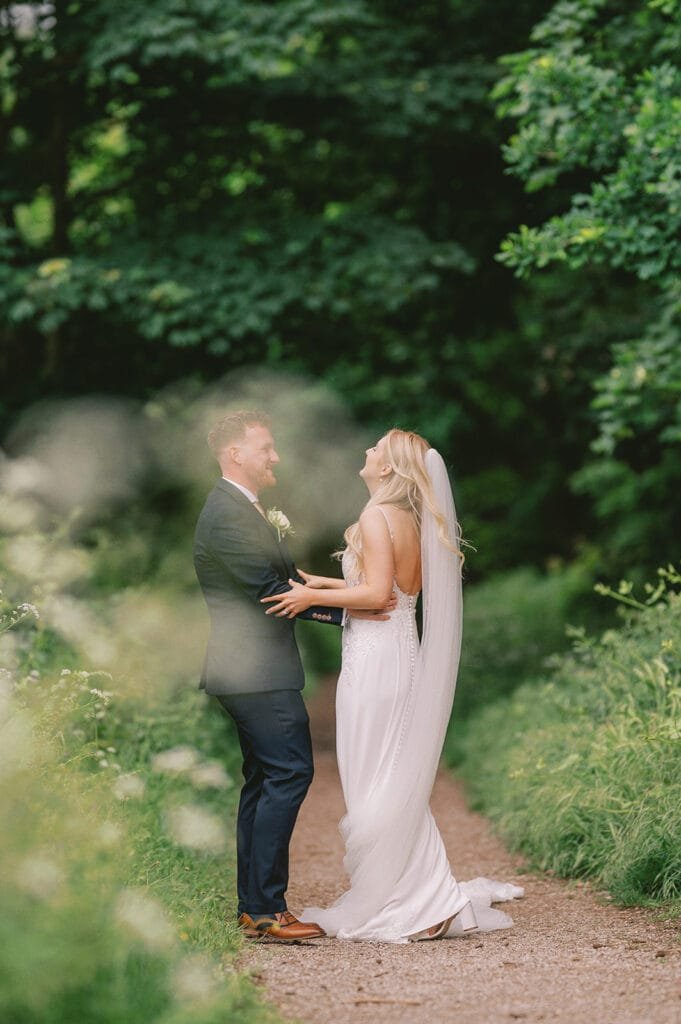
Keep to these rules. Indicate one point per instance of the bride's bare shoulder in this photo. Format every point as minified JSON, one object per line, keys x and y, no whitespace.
{"x":397,"y":515}
{"x":371,"y":515}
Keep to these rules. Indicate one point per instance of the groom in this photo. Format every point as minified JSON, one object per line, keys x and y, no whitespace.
{"x":253,"y":667}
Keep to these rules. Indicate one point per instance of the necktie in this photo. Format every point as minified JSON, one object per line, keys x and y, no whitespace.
{"x":260,"y":509}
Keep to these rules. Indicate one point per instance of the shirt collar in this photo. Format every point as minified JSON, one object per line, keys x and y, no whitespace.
{"x":253,"y":498}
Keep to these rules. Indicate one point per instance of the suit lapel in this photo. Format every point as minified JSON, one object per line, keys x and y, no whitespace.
{"x":286,"y":556}
{"x":268,"y":532}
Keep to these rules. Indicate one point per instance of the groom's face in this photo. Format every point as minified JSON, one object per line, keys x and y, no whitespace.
{"x":257,"y":457}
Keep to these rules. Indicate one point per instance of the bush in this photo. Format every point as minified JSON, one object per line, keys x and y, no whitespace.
{"x":580,"y":769}
{"x":511,"y":623}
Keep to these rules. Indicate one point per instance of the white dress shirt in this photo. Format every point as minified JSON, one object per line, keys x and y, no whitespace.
{"x":253,"y":498}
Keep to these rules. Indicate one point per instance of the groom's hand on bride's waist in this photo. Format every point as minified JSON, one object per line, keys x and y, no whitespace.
{"x":375,"y":614}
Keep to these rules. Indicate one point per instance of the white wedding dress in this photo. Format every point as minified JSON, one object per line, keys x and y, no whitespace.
{"x":392,"y":707}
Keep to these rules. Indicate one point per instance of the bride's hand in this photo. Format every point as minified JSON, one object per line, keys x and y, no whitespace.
{"x":314,"y":582}
{"x":290,"y":604}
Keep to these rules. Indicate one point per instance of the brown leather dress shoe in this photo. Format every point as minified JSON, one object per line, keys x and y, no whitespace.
{"x":247,"y":927}
{"x":282,"y":927}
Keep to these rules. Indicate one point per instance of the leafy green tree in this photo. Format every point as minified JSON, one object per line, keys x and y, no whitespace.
{"x":597,"y":102}
{"x":315,"y":188}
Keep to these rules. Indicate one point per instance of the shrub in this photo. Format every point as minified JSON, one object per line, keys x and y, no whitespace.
{"x":580,"y":769}
{"x":511,"y":623}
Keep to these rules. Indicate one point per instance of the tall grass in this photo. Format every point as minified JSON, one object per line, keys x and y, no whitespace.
{"x":581,"y":768}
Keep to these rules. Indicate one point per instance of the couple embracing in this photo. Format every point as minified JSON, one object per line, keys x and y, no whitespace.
{"x":394,"y":694}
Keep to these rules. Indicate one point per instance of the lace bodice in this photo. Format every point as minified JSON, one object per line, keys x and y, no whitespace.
{"x":406,"y":603}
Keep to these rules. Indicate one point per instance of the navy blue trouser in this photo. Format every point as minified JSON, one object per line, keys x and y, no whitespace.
{"x":274,"y":734}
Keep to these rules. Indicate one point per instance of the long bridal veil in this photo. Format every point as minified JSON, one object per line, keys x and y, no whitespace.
{"x":437,"y":672}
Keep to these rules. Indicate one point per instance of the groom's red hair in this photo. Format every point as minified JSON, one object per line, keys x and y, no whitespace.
{"x":232,"y":428}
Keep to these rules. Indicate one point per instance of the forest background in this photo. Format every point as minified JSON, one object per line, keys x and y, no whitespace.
{"x":460,"y":218}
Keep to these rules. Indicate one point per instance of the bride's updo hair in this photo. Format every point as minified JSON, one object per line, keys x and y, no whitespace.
{"x":408,"y":487}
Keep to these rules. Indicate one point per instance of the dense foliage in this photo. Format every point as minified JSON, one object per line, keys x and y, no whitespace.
{"x":597,"y":102}
{"x":187,"y":189}
{"x":580,"y":767}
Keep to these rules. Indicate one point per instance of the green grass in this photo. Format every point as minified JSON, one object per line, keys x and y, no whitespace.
{"x":581,"y":767}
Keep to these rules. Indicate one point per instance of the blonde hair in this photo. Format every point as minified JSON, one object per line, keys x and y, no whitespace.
{"x":233,"y":427}
{"x":408,"y":487}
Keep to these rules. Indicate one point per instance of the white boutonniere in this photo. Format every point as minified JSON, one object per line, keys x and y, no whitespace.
{"x":280,"y":522}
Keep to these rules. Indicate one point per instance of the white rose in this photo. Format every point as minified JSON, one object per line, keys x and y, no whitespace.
{"x":280,"y":522}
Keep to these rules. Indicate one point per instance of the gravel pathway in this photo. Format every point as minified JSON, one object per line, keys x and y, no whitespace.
{"x":570,"y":957}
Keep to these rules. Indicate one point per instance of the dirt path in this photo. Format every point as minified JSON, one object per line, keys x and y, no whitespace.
{"x":569,"y":958}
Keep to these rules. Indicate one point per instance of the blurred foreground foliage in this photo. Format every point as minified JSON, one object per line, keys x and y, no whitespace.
{"x":579,"y":767}
{"x":117,"y":805}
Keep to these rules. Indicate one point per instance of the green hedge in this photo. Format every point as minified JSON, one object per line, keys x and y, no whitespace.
{"x":581,"y":768}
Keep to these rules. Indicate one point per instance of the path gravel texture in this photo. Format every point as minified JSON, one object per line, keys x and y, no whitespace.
{"x":570,"y":956}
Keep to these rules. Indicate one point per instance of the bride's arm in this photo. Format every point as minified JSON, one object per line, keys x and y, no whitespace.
{"x":320,"y":582}
{"x":375,"y":592}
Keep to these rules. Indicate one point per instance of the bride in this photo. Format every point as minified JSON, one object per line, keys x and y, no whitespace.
{"x":393,"y":703}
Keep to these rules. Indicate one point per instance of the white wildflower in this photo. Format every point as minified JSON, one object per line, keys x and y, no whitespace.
{"x":40,"y":877}
{"x":26,"y":556}
{"x":175,"y":761}
{"x":211,"y":775}
{"x":80,"y":626}
{"x":197,"y":829}
{"x":102,"y":694}
{"x":18,"y":515}
{"x":109,"y":834}
{"x":129,"y":787}
{"x":194,"y":980}
{"x":29,"y":609}
{"x":144,"y":918}
{"x":25,"y":475}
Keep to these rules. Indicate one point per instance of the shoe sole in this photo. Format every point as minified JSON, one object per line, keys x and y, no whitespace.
{"x":268,"y":937}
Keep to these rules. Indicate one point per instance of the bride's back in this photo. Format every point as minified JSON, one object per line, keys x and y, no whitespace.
{"x":406,"y":548}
